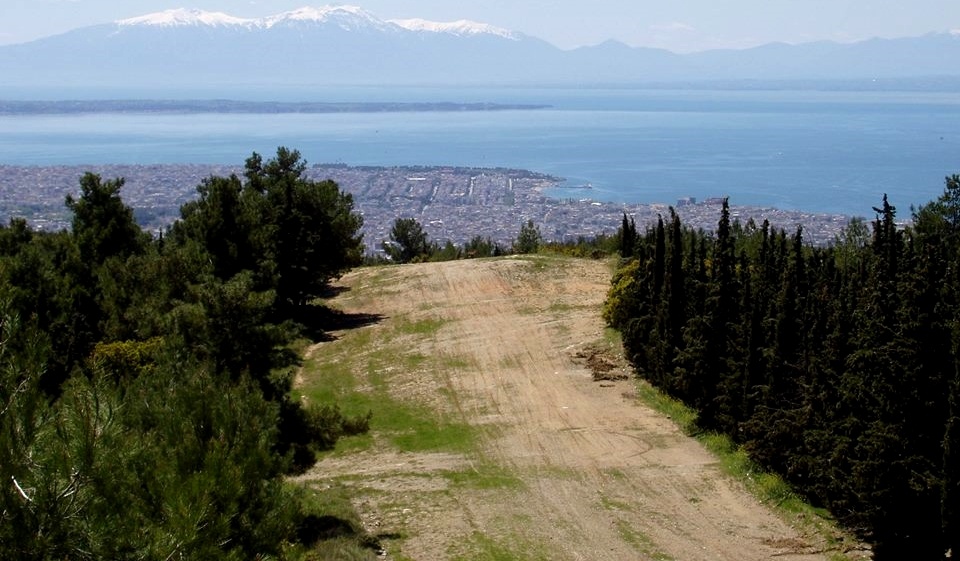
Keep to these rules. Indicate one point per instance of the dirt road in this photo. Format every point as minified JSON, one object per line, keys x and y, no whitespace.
{"x":566,"y":467}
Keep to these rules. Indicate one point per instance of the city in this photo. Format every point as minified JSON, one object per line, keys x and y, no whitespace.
{"x":452,"y":203}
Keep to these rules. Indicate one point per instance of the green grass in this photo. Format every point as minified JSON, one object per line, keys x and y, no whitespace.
{"x":613,"y":504}
{"x":422,"y":327}
{"x":356,"y":372}
{"x":612,"y":338}
{"x":615,"y":473}
{"x":455,"y":362}
{"x":680,"y":414}
{"x":421,"y":433}
{"x":481,"y":547}
{"x":640,"y":542}
{"x":485,"y":476}
{"x":409,"y":427}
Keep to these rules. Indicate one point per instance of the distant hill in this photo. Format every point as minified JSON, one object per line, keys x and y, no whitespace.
{"x":347,"y":45}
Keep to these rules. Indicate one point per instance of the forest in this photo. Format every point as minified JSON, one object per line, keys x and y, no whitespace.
{"x":835,"y":367}
{"x":145,"y":404}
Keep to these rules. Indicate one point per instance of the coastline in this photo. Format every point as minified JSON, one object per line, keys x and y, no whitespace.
{"x":452,"y":203}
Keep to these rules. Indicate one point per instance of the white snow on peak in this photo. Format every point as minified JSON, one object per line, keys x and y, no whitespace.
{"x":344,"y":16}
{"x":459,"y":27}
{"x":347,"y":17}
{"x":324,"y":13}
{"x":183,"y":16}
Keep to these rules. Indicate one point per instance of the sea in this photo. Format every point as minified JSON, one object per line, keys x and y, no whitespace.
{"x":818,"y":151}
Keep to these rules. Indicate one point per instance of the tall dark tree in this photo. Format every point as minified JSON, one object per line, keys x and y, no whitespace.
{"x":102,"y":224}
{"x":293,"y":233}
{"x":628,"y":236}
{"x":312,"y":230}
{"x":717,"y":329}
{"x":408,"y":242}
{"x":529,"y":238}
{"x":659,"y":258}
{"x":221,"y":222}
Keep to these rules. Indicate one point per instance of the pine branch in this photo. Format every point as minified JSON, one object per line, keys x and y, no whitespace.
{"x":20,"y":490}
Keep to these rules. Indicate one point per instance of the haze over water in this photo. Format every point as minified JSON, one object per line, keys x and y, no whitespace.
{"x":836,"y":152}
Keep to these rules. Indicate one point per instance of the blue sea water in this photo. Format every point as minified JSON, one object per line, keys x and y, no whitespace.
{"x":835,"y":152}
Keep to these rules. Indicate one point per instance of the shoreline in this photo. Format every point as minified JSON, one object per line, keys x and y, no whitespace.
{"x":452,"y":203}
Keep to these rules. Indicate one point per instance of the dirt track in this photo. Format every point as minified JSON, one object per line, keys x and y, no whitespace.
{"x":598,"y":475}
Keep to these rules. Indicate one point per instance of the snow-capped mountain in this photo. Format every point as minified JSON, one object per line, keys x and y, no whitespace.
{"x":459,"y":27}
{"x":182,"y":16}
{"x":347,"y":18}
{"x":336,"y":45}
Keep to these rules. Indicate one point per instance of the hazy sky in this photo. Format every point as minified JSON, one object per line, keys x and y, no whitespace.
{"x":678,"y":25}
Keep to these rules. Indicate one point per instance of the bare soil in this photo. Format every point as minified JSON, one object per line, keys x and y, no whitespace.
{"x":587,"y":471}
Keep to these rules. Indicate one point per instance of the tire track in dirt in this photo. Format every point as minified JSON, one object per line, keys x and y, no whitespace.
{"x":603,"y":477}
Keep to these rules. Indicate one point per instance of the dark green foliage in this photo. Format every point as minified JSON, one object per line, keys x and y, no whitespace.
{"x":47,"y":283}
{"x":223,"y":221}
{"x":102,"y":224}
{"x":177,"y":463}
{"x":478,"y":246}
{"x":145,"y":385}
{"x":408,"y":242}
{"x":627,"y":237}
{"x":528,"y":240}
{"x":292,"y":234}
{"x":596,"y":247}
{"x":835,"y":367}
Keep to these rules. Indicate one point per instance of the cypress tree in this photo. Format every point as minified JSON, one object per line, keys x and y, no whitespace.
{"x":675,"y":297}
{"x":659,"y":259}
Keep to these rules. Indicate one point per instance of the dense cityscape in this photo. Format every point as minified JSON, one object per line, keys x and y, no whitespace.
{"x":452,"y":203}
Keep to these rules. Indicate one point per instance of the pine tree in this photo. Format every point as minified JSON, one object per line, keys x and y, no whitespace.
{"x":102,"y":224}
{"x":408,"y":242}
{"x":529,"y":239}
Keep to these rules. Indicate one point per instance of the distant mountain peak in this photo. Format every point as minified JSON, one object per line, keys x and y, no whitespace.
{"x":347,"y":17}
{"x":461,"y":27}
{"x":183,"y":16}
{"x":324,"y":13}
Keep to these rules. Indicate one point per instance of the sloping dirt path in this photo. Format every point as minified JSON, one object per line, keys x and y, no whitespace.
{"x":588,"y":472}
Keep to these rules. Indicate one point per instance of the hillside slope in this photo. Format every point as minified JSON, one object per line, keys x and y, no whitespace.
{"x":548,"y":464}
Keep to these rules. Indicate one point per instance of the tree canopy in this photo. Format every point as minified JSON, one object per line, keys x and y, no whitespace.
{"x":293,"y":234}
{"x":145,"y":383}
{"x":529,"y":238}
{"x":836,"y":367}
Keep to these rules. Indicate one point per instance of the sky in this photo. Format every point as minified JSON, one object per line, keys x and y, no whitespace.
{"x":676,"y":25}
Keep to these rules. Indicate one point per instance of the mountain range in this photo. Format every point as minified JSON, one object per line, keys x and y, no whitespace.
{"x":346,"y":45}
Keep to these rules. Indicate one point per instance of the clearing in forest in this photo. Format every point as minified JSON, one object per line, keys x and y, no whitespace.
{"x":492,"y":439}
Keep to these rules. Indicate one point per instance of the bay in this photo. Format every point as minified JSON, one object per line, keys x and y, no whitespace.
{"x":835,"y":152}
